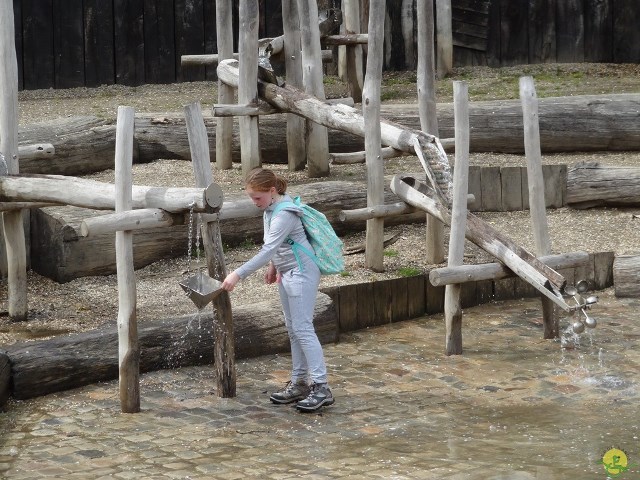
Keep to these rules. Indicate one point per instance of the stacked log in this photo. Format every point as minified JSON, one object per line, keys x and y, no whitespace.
{"x":86,"y":144}
{"x":594,"y":185}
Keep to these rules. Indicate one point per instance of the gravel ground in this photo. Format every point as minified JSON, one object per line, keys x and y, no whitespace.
{"x":86,"y":303}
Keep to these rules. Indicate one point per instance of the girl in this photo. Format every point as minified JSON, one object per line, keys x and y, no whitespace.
{"x":297,"y":285}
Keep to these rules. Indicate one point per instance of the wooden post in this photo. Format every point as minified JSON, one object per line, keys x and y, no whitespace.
{"x":428,"y":114}
{"x":224,"y":344}
{"x":371,"y":112}
{"x":247,"y":89}
{"x":224,"y":126}
{"x":444,"y":37}
{"x":537,"y":206}
{"x":128,"y":345}
{"x":296,"y":150}
{"x":452,"y":305}
{"x":316,"y":139}
{"x":354,"y":73}
{"x":16,"y":251}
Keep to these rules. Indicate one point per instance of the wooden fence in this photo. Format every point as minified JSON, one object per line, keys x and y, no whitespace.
{"x":76,"y":43}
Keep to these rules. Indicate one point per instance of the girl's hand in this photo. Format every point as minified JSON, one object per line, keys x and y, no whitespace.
{"x":230,"y":282}
{"x":271,"y":274}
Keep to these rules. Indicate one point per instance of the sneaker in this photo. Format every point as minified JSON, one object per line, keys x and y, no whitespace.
{"x":291,"y":392}
{"x":319,"y":396}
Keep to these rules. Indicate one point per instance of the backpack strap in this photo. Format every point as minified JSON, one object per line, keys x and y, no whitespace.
{"x":295,"y":246}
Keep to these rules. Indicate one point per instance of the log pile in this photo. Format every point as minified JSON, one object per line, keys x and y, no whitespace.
{"x":61,"y":253}
{"x":66,"y":362}
{"x":86,"y":144}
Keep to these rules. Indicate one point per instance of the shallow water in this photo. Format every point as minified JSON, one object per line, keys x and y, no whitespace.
{"x":512,"y":406}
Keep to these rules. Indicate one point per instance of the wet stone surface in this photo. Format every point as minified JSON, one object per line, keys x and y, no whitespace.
{"x":511,"y":406}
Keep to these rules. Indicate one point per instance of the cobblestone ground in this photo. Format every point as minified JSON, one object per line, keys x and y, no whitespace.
{"x":513,"y":406}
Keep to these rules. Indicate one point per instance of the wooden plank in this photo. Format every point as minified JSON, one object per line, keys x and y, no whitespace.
{"x":37,"y":38}
{"x":555,"y":185}
{"x":159,"y":46}
{"x":603,"y":270}
{"x":570,"y":31}
{"x":469,"y":29}
{"x":129,"y":41}
{"x":416,"y":299}
{"x":475,"y":6}
{"x":494,"y":37}
{"x":475,"y":188}
{"x":513,"y":37}
{"x":469,"y":41}
{"x":491,"y":195}
{"x":383,"y":302}
{"x":210,"y":36}
{"x":98,"y":43}
{"x":273,"y":24}
{"x":468,"y":295}
{"x":504,"y":289}
{"x":586,"y":273}
{"x":598,"y":31}
{"x":400,"y":295}
{"x":471,"y":17}
{"x":626,"y":34}
{"x":365,"y":310}
{"x":522,"y":289}
{"x":189,"y":31}
{"x":68,"y":43}
{"x":484,"y":292}
{"x":542,"y":31}
{"x":348,"y":308}
{"x":511,"y":186}
{"x":435,"y":299}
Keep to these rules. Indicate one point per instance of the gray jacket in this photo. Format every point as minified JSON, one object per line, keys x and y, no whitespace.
{"x":286,"y":224}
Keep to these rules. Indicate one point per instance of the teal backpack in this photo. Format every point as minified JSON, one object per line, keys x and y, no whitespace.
{"x":326,"y":244}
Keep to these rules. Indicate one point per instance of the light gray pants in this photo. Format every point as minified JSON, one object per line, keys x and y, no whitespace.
{"x":298,"y":291}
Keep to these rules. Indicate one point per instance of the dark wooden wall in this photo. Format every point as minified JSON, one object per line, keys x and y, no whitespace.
{"x":75,"y":43}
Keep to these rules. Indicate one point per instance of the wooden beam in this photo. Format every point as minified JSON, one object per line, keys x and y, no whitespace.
{"x":497,"y":271}
{"x":128,"y":345}
{"x":346,"y":39}
{"x":85,"y":193}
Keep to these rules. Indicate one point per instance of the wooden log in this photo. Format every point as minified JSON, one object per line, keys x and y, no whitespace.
{"x":224,"y":344}
{"x":247,"y":88}
{"x":224,"y":126}
{"x":128,"y":345}
{"x":444,"y":37}
{"x":37,"y":151}
{"x":60,"y":252}
{"x":98,"y":195}
{"x":346,"y":39}
{"x":214,"y":58}
{"x":377,"y":211}
{"x":221,"y":110}
{"x":593,"y":185}
{"x":371,"y":111}
{"x":354,"y":53}
{"x":537,"y":204}
{"x":14,"y":237}
{"x":141,"y":219}
{"x":497,"y":271}
{"x":626,"y":275}
{"x":317,"y":142}
{"x":71,"y":361}
{"x":452,"y":300}
{"x":350,"y":158}
{"x":86,"y":144}
{"x":426,"y":71}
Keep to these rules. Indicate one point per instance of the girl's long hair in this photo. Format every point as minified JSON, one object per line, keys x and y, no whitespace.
{"x":262,"y":179}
